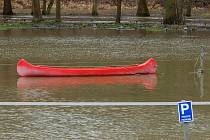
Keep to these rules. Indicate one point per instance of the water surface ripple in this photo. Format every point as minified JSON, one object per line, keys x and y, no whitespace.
{"x":176,"y":54}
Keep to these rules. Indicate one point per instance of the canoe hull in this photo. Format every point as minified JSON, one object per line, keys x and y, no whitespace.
{"x":25,"y":69}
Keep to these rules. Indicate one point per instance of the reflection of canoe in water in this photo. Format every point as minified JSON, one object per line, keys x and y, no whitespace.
{"x":149,"y":81}
{"x":24,"y":68}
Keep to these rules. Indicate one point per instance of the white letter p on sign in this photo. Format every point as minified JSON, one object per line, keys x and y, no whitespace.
{"x":184,"y":107}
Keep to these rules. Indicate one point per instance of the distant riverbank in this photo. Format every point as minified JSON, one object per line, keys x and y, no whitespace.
{"x":153,"y":24}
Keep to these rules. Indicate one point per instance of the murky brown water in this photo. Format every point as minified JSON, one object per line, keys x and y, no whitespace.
{"x":176,"y":55}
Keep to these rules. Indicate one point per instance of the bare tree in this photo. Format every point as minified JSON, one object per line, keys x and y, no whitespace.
{"x":95,"y":8}
{"x":49,"y":7}
{"x":179,"y":12}
{"x":142,"y":9}
{"x":44,"y":6}
{"x":173,"y":12}
{"x":7,"y":9}
{"x":162,"y":3}
{"x":119,"y":5}
{"x":189,"y":7}
{"x":37,"y":17}
{"x":58,"y":10}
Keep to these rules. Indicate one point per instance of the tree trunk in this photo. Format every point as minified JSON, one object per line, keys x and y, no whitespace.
{"x":49,"y":7}
{"x":32,"y":7}
{"x":170,"y":12}
{"x":36,"y":11}
{"x":7,"y":9}
{"x":142,"y":10}
{"x":179,"y":12}
{"x":119,"y":5}
{"x":95,"y":8}
{"x":162,"y":3}
{"x":173,"y":12}
{"x":44,"y":6}
{"x":58,"y":10}
{"x":189,"y":4}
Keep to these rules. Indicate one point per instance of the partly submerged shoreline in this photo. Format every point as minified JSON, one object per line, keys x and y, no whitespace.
{"x":150,"y":24}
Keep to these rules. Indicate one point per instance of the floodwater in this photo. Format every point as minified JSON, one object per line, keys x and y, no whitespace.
{"x":177,"y":56}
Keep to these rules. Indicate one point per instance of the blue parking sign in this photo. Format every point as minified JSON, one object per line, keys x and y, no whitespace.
{"x":185,"y":111}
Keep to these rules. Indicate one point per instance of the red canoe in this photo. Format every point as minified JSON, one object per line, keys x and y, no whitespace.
{"x":26,"y":69}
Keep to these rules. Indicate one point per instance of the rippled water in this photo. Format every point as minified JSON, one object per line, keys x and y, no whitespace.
{"x":176,"y":54}
{"x":100,"y":123}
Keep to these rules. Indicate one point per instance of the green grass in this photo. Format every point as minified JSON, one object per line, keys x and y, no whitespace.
{"x":9,"y":26}
{"x":48,"y":22}
{"x":155,"y":29}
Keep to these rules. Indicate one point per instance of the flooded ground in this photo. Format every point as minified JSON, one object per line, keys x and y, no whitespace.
{"x":177,"y":55}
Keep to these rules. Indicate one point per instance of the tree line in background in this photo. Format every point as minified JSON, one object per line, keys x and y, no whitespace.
{"x":173,"y":9}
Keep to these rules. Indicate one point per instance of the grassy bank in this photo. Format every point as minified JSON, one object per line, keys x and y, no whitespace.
{"x":52,"y":24}
{"x":13,"y":26}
